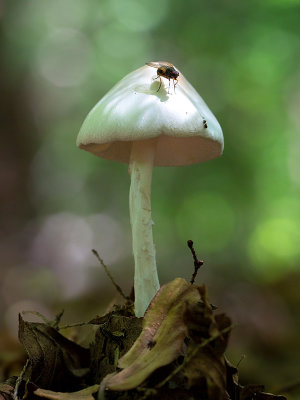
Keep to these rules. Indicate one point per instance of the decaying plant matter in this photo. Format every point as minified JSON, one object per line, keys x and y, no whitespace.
{"x":175,"y":352}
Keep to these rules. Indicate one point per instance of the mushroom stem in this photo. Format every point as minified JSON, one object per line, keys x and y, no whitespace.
{"x":146,"y":282}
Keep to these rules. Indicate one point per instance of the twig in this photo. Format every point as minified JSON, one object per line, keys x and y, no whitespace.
{"x":57,"y":319}
{"x":53,"y":324}
{"x":243,"y":356}
{"x":38,"y":314}
{"x":192,"y":354}
{"x":72,"y":325}
{"x":19,"y":380}
{"x":197,"y":263}
{"x":109,"y":275}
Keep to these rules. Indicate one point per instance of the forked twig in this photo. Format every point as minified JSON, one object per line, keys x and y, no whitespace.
{"x":197,"y":263}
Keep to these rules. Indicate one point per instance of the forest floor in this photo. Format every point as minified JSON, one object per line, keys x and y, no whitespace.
{"x":176,"y":351}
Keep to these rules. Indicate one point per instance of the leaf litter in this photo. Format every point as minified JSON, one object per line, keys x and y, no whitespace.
{"x":175,"y":352}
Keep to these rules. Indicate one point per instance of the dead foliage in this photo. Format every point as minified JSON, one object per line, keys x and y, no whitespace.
{"x":175,"y":352}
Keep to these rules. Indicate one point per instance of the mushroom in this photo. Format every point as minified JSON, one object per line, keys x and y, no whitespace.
{"x":138,"y":124}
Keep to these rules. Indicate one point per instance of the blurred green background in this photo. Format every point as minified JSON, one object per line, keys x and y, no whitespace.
{"x":57,"y":59}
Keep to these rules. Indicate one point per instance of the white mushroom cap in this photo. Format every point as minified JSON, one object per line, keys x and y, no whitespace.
{"x":134,"y":110}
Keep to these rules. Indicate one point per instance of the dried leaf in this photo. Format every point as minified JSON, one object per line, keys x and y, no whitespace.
{"x":6,"y":391}
{"x":126,"y":310}
{"x":268,"y":396}
{"x":205,"y":366}
{"x":249,"y":392}
{"x":232,"y":378}
{"x":85,"y":394}
{"x":161,"y":339}
{"x":208,"y":370}
{"x":56,"y":363}
{"x":113,"y":339}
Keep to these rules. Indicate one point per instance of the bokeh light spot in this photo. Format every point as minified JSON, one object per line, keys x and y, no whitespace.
{"x":274,"y":246}
{"x":137,"y":15}
{"x":208,"y":219}
{"x":120,"y":43}
{"x":64,"y":241}
{"x":64,"y":57}
{"x":56,"y":15}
